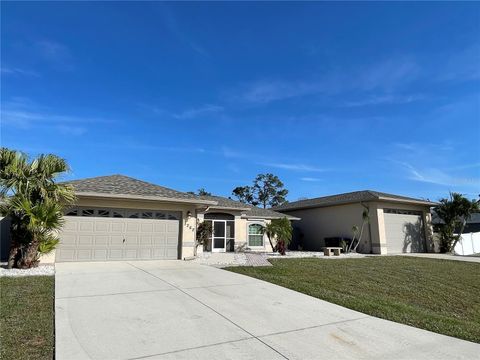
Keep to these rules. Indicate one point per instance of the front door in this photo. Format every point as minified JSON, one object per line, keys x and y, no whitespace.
{"x":219,"y":240}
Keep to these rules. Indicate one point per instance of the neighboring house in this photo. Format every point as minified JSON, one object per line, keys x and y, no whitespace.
{"x":398,"y":224}
{"x":472,"y":225}
{"x":117,"y":217}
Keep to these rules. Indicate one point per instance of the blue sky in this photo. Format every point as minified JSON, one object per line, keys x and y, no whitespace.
{"x":331,"y":97}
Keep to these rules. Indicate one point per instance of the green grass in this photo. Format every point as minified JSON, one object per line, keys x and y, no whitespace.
{"x":27,"y":317}
{"x":437,"y":295}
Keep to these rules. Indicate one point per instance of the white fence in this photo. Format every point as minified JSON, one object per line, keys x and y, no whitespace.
{"x":469,"y":244}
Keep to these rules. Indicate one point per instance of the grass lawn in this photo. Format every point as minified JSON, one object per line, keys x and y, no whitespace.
{"x":26,"y":317}
{"x":437,"y":295}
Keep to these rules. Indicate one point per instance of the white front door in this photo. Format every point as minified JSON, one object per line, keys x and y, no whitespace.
{"x":219,"y":239}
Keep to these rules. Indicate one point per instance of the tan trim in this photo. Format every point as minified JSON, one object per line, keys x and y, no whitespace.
{"x":289,"y":217}
{"x":144,"y":197}
{"x":210,"y":208}
{"x":416,"y":202}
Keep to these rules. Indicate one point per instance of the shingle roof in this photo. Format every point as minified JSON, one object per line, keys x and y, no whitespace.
{"x":226,"y":202}
{"x":351,"y":197}
{"x":253,"y":211}
{"x":124,"y":185}
{"x":473,"y":219}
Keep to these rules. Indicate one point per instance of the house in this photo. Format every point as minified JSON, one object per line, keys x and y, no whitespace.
{"x":397,"y":224}
{"x":472,"y":224}
{"x":117,"y":217}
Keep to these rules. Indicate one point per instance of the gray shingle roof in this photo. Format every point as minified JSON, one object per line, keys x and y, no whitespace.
{"x":124,"y":185}
{"x":225,"y":202}
{"x":253,"y":211}
{"x":351,"y":197}
{"x":473,"y":219}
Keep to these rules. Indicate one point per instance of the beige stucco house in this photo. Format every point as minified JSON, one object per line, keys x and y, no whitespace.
{"x":397,"y":224}
{"x":117,"y":217}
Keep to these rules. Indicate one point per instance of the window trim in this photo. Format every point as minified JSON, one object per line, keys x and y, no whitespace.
{"x":262,"y":224}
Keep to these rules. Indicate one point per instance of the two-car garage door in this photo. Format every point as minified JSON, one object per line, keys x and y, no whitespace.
{"x":94,"y":234}
{"x":404,"y":231}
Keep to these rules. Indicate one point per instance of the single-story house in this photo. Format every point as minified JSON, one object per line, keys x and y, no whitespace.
{"x":117,"y":217}
{"x":472,"y":225}
{"x":397,"y":224}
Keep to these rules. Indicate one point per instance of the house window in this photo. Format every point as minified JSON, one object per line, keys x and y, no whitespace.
{"x":88,"y":212}
{"x":255,"y":235}
{"x":103,"y":213}
{"x":72,"y":213}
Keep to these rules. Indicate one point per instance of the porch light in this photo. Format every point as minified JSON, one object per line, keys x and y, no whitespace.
{"x":189,"y":214}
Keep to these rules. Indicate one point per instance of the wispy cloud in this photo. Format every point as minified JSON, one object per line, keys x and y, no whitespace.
{"x":383,"y":77}
{"x":25,"y":114}
{"x":439,"y":177}
{"x":295,"y":167}
{"x":196,"y":112}
{"x":460,"y":65}
{"x":19,"y":71}
{"x":310,"y":179}
{"x":55,"y":53}
{"x":385,"y":100}
{"x":173,"y":25}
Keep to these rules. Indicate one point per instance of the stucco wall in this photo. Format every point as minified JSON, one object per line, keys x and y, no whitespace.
{"x":318,"y":223}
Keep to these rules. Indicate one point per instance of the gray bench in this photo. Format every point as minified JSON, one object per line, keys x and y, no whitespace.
{"x":329,"y":251}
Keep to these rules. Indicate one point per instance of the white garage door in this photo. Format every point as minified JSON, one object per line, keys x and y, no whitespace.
{"x":404,"y":231}
{"x":91,"y":234}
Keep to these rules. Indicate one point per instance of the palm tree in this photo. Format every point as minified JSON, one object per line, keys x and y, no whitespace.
{"x":34,"y":201}
{"x":280,"y":229}
{"x":454,"y":211}
{"x":356,"y":234}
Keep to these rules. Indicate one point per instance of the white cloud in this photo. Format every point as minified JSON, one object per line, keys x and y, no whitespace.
{"x":25,"y":114}
{"x":19,"y":71}
{"x":202,"y":110}
{"x":384,"y":99}
{"x":384,"y":77}
{"x":295,"y":167}
{"x":310,"y":179}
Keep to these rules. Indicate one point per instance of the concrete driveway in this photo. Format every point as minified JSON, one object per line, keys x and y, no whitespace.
{"x":180,"y":310}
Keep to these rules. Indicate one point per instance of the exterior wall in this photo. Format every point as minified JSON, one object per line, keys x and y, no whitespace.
{"x":241,"y":230}
{"x":334,"y":221}
{"x":187,"y":224}
{"x":337,"y":221}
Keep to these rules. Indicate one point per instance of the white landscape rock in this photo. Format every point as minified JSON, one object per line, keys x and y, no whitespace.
{"x":42,"y":270}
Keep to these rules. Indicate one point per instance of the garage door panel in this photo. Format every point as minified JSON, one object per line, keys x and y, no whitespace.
{"x":100,"y":254}
{"x":160,"y":227}
{"x":90,"y":238}
{"x":101,"y":240}
{"x":115,"y":254}
{"x":118,"y":227}
{"x":84,"y":254}
{"x":145,"y":240}
{"x":404,"y":233}
{"x":86,"y":240}
{"x":86,"y":226}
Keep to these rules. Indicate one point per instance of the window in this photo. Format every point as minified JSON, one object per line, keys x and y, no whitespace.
{"x":134,"y":216}
{"x":172,"y":217}
{"x":147,"y":215}
{"x":116,"y":214}
{"x":88,"y":212}
{"x":103,"y":213}
{"x":255,"y":235}
{"x":160,"y":215}
{"x":72,"y":213}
